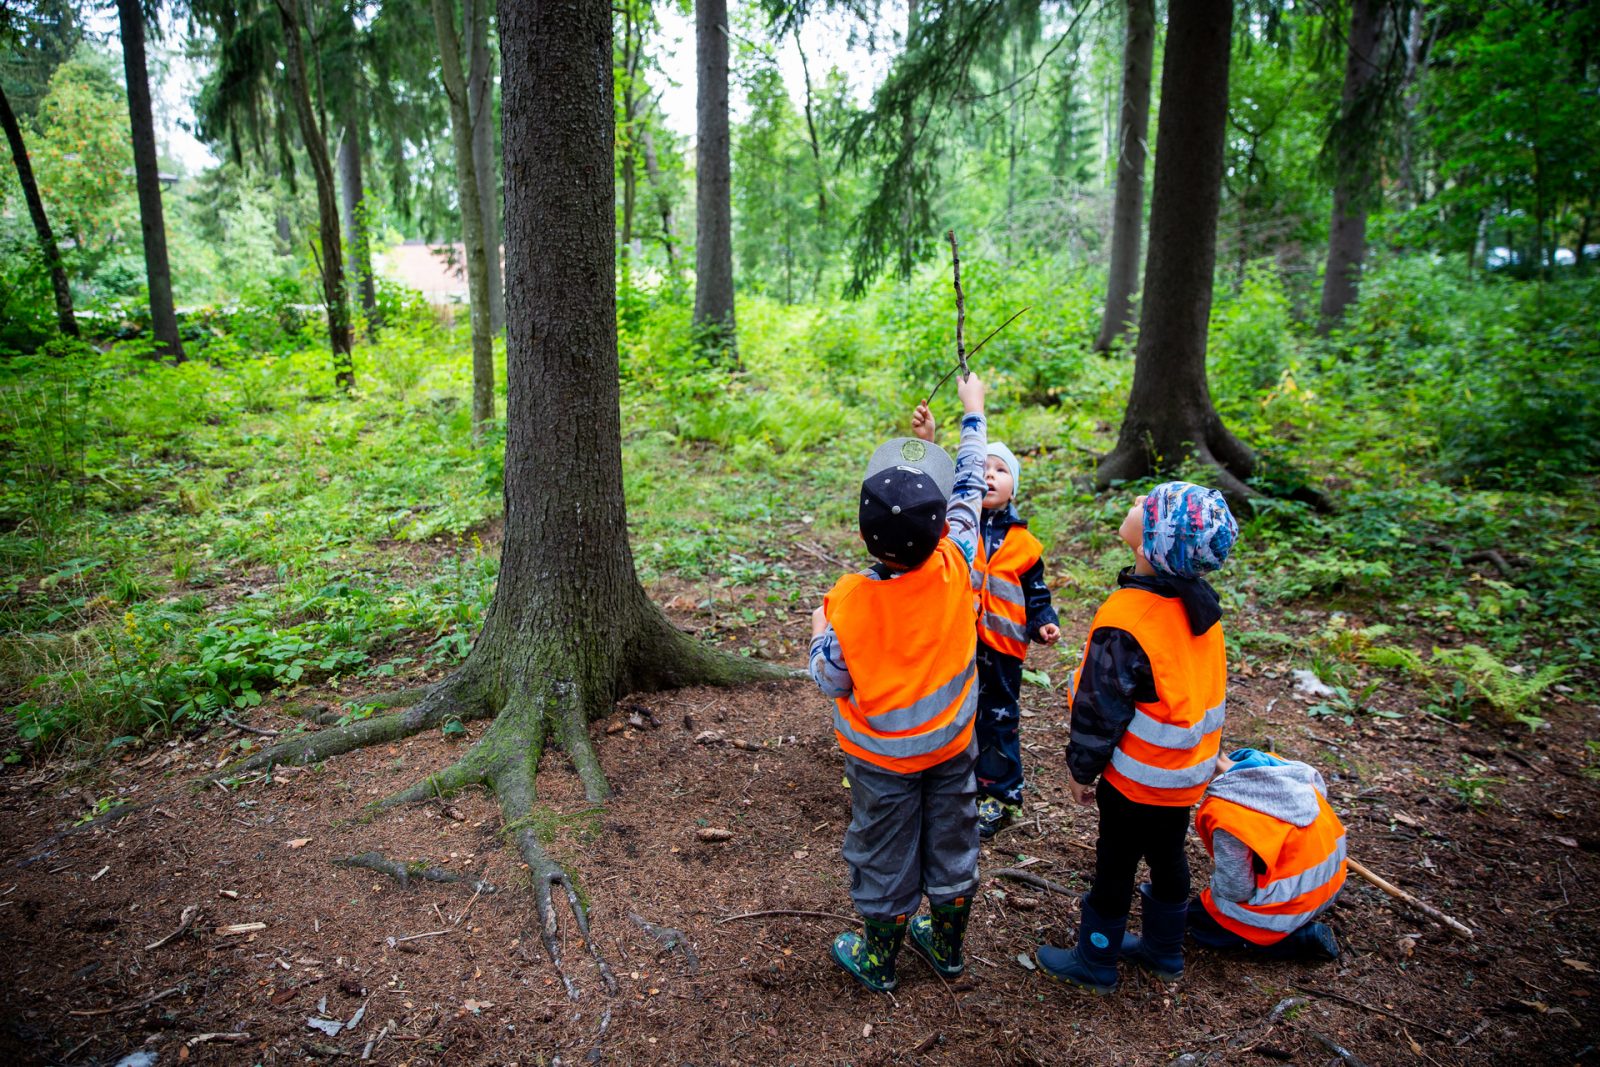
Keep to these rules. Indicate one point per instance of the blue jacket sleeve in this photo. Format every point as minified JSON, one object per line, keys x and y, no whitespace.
{"x":1116,"y":675}
{"x":1036,"y":597}
{"x":966,"y":497}
{"x":828,"y":668}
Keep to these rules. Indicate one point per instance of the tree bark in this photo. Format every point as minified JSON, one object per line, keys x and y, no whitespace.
{"x":1352,"y":190}
{"x":358,"y":243}
{"x":1127,"y":212}
{"x":630,"y":176}
{"x":1170,"y":415}
{"x":570,"y":628}
{"x":455,"y":87}
{"x":147,"y":177}
{"x":330,"y":257}
{"x":66,"y":321}
{"x":480,"y":108}
{"x":713,"y":288}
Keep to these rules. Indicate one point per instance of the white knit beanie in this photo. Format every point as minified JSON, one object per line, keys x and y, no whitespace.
{"x":1004,"y":455}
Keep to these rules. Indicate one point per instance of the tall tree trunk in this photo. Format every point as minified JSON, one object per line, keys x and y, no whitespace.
{"x":1409,"y":186}
{"x":455,"y":88}
{"x":908,"y":207}
{"x":65,"y":320}
{"x":569,"y":630}
{"x":358,"y":243}
{"x":147,"y":177}
{"x":652,"y":173}
{"x":1170,"y":414}
{"x":480,"y":108}
{"x":630,"y":176}
{"x":1127,"y":212}
{"x":713,"y":254}
{"x":330,"y":257}
{"x":1352,"y":190}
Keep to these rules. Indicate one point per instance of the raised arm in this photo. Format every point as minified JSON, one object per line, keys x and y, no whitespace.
{"x":966,"y":497}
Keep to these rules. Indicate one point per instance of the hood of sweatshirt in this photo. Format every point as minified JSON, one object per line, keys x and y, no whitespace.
{"x":1286,"y":791}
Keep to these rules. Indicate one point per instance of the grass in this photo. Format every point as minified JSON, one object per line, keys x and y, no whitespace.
{"x":179,"y":541}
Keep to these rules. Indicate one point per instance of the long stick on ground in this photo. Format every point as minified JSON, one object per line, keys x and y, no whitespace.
{"x":961,"y":304}
{"x":1400,"y":894}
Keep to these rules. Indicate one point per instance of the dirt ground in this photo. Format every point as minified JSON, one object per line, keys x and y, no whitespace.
{"x":439,"y":974}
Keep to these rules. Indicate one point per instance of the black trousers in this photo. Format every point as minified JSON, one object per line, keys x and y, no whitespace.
{"x":1130,"y":832}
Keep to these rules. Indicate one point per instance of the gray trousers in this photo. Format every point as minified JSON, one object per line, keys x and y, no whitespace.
{"x":911,"y":834}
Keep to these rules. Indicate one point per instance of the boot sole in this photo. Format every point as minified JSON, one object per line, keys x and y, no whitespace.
{"x":1095,"y":990}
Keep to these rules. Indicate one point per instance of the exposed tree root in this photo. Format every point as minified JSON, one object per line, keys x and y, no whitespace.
{"x":669,"y":939}
{"x":404,"y":872}
{"x":453,"y":698}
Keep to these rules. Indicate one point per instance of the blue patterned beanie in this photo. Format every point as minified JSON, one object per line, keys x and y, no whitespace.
{"x":1188,"y":529}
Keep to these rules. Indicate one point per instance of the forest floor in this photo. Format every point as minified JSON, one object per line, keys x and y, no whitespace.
{"x":1497,"y":828}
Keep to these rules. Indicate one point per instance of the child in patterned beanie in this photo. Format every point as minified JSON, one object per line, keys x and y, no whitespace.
{"x":1147,"y":714}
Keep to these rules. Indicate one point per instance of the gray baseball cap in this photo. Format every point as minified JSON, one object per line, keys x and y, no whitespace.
{"x":918,"y":456}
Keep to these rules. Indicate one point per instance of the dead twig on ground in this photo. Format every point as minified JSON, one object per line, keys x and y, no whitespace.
{"x":800,"y":914}
{"x":1348,"y":1058}
{"x":201,"y":1039}
{"x":404,"y":872}
{"x":1400,"y":894}
{"x":1354,"y":1003}
{"x":247,"y":728}
{"x":132,"y":1005}
{"x":1037,"y":881}
{"x":183,"y":924}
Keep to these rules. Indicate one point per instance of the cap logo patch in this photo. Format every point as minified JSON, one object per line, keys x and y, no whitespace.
{"x":913,"y":451}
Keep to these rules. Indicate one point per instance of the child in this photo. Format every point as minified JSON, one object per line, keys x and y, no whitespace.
{"x":1278,"y":852}
{"x":894,"y":647}
{"x":1147,"y":713}
{"x":1015,"y":609}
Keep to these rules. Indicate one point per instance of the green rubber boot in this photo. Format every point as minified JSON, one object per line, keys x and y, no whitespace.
{"x":869,"y":956}
{"x":937,"y":937}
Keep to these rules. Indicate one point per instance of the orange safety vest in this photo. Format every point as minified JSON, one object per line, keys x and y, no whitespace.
{"x":1169,"y":751}
{"x":1305,"y":868}
{"x":1003,"y":611}
{"x":911,"y":648}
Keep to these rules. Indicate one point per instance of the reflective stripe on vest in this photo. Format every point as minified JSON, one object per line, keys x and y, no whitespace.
{"x":910,"y":644}
{"x":1003,"y":611}
{"x":1305,"y":868}
{"x":1169,"y":751}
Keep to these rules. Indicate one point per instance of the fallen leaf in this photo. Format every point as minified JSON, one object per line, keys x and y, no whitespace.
{"x":476,"y":1006}
{"x":1579,"y":965}
{"x":299,"y":842}
{"x":800,"y":853}
{"x":1403,"y":818}
{"x":1568,"y":841}
{"x":283,"y":996}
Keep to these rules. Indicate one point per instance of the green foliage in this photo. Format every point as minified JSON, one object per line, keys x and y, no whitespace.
{"x":1509,"y":691}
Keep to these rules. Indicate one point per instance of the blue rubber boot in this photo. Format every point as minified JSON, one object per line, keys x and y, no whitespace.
{"x":937,"y":938}
{"x":1158,"y":947}
{"x":869,"y":956}
{"x":1091,"y":964}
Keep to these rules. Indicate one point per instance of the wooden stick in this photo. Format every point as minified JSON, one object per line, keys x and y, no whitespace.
{"x":961,"y":304}
{"x":989,"y":336}
{"x":1029,"y":878}
{"x":200,"y":1039}
{"x":132,"y":1004}
{"x":247,"y":728}
{"x":183,"y":924}
{"x":1400,"y":894}
{"x":801,"y":914}
{"x":1353,"y":1002}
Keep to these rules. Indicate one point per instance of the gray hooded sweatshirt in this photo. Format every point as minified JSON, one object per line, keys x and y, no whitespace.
{"x":1285,"y":790}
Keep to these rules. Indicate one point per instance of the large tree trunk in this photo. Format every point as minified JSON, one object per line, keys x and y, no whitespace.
{"x":330,"y":258}
{"x":65,"y":320}
{"x":480,"y":108}
{"x":570,"y":629}
{"x":358,"y":244}
{"x":147,"y":177}
{"x":1127,"y":212}
{"x":455,"y":88}
{"x":713,"y":257}
{"x":1352,"y":190}
{"x":1170,"y":415}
